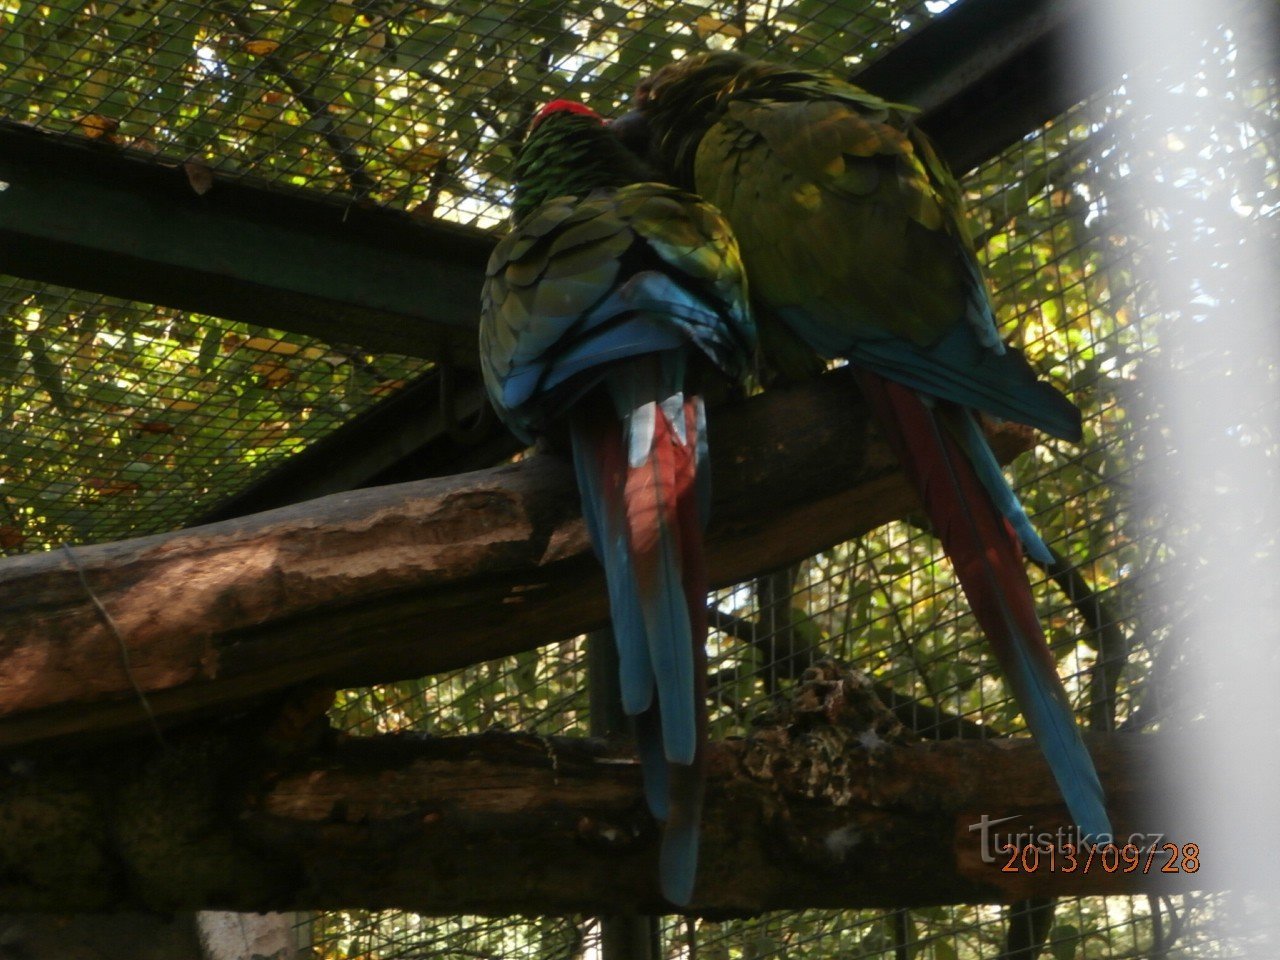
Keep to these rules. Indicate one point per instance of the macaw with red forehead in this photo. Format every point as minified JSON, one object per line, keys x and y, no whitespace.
{"x":612,"y":298}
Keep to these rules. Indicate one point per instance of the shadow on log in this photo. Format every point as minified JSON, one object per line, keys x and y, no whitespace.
{"x":826,"y":806}
{"x":392,"y":582}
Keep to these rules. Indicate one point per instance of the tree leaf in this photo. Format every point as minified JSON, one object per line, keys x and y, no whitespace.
{"x":47,"y":372}
{"x":260,"y":48}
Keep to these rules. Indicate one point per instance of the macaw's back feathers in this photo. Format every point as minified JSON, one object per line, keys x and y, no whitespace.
{"x":876,"y":244}
{"x":854,"y":235}
{"x":600,"y":307}
{"x":617,"y":273}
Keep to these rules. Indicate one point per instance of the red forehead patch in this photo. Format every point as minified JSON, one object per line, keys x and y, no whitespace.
{"x":563,"y":106}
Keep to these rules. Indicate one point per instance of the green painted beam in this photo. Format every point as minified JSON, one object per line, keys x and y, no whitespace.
{"x":90,"y":216}
{"x":986,"y":72}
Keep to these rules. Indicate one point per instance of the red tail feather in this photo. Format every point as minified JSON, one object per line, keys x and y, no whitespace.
{"x":988,"y":560}
{"x":653,"y":495}
{"x":980,"y":542}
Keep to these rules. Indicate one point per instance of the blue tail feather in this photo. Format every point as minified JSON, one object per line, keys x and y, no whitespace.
{"x":643,"y":394}
{"x":653,"y":762}
{"x":671,"y":651}
{"x":678,"y":856}
{"x":637,"y":457}
{"x":1053,"y":724}
{"x":992,"y":477}
{"x":606,"y":526}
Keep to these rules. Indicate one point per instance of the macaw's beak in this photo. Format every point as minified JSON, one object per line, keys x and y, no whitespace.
{"x":633,"y":130}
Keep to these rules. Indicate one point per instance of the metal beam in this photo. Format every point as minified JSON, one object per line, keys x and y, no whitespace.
{"x":987,"y":72}
{"x":404,"y":437}
{"x":90,"y":216}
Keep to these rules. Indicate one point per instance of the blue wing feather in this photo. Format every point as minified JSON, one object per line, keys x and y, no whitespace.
{"x":959,"y":369}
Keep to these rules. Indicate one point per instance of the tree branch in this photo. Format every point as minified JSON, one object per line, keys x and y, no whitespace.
{"x":399,"y":581}
{"x":819,"y":811}
{"x":358,"y":180}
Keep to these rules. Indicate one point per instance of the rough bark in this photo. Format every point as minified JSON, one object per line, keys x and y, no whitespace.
{"x":825,"y":807}
{"x":399,"y":581}
{"x":121,"y":936}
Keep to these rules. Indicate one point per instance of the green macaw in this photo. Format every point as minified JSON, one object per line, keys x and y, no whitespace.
{"x":854,"y":236}
{"x":611,"y":298}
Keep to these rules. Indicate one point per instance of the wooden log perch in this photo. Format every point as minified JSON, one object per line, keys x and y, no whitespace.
{"x":826,"y":809}
{"x":392,"y":582}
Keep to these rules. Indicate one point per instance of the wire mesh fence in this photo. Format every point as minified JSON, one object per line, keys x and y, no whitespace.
{"x":124,"y":418}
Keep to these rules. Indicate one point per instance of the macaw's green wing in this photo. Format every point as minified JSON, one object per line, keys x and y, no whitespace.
{"x":581,"y":283}
{"x":853,"y":234}
{"x":539,"y":283}
{"x":834,"y":209}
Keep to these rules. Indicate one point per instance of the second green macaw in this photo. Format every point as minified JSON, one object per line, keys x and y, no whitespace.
{"x":854,"y":237}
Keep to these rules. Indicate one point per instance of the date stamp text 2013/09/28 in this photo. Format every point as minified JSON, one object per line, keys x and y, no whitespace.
{"x":1086,"y":858}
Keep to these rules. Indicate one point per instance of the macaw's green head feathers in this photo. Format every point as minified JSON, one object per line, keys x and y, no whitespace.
{"x":570,"y":152}
{"x":675,"y":107}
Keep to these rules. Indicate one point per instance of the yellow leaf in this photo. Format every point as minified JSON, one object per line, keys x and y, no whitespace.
{"x":95,"y":125}
{"x":342,"y":12}
{"x":270,"y":345}
{"x":98,"y":85}
{"x":420,"y":159}
{"x":261,"y":48}
{"x":707,"y":25}
{"x":199,"y":176}
{"x":274,"y":375}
